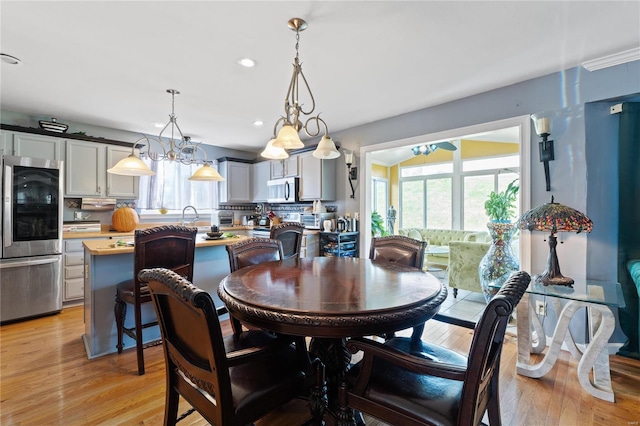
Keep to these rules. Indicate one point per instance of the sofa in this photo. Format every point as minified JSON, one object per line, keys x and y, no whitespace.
{"x":464,"y":259}
{"x":436,"y":238}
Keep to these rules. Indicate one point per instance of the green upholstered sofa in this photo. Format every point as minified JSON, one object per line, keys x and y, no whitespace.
{"x":441,"y":238}
{"x":464,"y":259}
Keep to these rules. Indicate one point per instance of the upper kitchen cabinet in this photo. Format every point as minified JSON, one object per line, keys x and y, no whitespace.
{"x":285,"y":168}
{"x":317,"y":178}
{"x":261,"y":174}
{"x":236,"y":188}
{"x":31,"y":145}
{"x":86,"y":171}
{"x":119,"y":186}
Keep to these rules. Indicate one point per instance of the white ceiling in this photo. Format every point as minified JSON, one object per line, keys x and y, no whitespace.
{"x":110,"y":63}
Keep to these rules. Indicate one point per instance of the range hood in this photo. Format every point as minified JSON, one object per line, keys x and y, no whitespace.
{"x":98,"y":204}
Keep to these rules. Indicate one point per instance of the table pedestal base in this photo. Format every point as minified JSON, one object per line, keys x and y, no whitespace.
{"x":595,"y":356}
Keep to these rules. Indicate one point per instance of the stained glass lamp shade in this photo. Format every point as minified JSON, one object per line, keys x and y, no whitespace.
{"x":554,"y":217}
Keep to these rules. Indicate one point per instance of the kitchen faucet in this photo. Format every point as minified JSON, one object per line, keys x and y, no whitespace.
{"x":190,"y":222}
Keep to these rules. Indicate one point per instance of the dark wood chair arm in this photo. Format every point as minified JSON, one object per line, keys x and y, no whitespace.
{"x":416,"y":364}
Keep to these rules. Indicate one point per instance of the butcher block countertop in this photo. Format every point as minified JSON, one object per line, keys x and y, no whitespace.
{"x":110,"y":247}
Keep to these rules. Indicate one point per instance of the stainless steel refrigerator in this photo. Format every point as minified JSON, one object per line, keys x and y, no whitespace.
{"x":31,"y":217}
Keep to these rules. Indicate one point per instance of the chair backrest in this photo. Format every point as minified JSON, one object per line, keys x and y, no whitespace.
{"x":253,"y":251}
{"x":397,"y":248}
{"x":486,"y":347}
{"x":290,"y":235}
{"x":193,"y":343}
{"x":167,"y":246}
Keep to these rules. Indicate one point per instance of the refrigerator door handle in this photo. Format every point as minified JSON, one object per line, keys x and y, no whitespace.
{"x":7,"y":263}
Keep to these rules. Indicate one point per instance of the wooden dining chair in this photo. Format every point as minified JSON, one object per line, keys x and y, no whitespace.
{"x":290,"y":235}
{"x":166,"y":246}
{"x":402,"y":383}
{"x":404,"y":250}
{"x":231,"y":380}
{"x":252,"y":251}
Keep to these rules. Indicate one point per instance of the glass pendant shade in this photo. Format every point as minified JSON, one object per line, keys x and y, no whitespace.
{"x":326,"y":149}
{"x":206,"y":173}
{"x":288,"y":138}
{"x":273,"y":153}
{"x":131,"y":166}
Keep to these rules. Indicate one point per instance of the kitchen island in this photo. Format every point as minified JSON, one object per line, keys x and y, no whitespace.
{"x":106,"y":264}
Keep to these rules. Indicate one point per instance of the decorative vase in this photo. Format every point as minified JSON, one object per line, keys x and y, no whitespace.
{"x":500,"y":261}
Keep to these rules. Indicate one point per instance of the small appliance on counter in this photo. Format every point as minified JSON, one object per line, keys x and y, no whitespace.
{"x":222,"y":218}
{"x":316,"y":220}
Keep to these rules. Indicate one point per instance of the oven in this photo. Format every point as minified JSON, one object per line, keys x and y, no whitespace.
{"x":31,"y":217}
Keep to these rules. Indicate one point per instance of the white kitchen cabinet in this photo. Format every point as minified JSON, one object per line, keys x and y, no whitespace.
{"x":310,"y":245}
{"x":317,"y":178}
{"x":119,"y":186}
{"x":285,"y":168}
{"x":261,"y":174}
{"x":86,"y":171}
{"x":73,"y":275}
{"x":32,"y":145}
{"x":236,"y":188}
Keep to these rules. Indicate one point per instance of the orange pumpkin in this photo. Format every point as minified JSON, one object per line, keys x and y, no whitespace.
{"x":125,"y":219}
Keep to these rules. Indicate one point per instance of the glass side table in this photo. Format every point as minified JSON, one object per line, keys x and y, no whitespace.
{"x":598,"y":297}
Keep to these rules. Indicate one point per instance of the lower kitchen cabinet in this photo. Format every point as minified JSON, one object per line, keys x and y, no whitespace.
{"x":309,"y":246}
{"x":73,"y":270}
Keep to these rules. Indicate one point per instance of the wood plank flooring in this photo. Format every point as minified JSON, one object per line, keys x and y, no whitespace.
{"x":46,"y":379}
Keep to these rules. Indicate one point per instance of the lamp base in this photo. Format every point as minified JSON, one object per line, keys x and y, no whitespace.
{"x":552,"y":275}
{"x":546,"y":280}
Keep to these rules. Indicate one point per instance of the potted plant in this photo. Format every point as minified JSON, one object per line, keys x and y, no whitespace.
{"x":500,"y":262}
{"x":377,"y":225}
{"x":500,"y":206}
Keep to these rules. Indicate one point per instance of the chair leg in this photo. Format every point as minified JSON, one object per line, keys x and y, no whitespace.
{"x":493,"y":406}
{"x":345,"y":414}
{"x":318,"y":398}
{"x":120,"y":311}
{"x":139,"y":346}
{"x":171,"y":401}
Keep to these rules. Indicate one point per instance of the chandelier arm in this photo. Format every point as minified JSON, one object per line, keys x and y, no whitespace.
{"x":150,"y":153}
{"x":317,"y":120}
{"x":290,"y":100}
{"x":313,"y":101}
{"x":193,"y":160}
{"x":275,"y":126}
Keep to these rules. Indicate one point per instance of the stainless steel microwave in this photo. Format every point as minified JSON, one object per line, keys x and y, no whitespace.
{"x":283,"y":190}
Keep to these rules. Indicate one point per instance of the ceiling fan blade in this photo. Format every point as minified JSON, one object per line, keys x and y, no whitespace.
{"x":446,"y":145}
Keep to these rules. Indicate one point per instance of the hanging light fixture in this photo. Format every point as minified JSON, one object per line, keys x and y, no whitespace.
{"x":180,"y":148}
{"x":273,"y":153}
{"x":292,"y":121}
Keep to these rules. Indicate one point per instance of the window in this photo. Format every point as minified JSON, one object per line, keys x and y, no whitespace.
{"x":380,"y":199}
{"x":171,"y":188}
{"x":428,"y":197}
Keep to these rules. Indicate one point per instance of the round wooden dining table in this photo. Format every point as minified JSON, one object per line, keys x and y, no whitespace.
{"x":330,"y":299}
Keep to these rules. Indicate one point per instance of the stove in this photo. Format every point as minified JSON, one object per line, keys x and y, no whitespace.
{"x":262,"y":232}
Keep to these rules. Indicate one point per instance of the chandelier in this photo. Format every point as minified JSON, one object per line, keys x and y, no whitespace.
{"x":292,"y":122}
{"x":180,"y":148}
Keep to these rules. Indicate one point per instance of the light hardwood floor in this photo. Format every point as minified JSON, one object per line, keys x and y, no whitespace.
{"x":46,"y":379}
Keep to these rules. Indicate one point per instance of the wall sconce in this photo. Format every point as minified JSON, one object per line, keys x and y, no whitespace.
{"x":352,"y":171}
{"x":542,"y":122}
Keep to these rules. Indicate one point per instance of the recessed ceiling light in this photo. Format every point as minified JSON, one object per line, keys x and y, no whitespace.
{"x":258,"y":123}
{"x":158,"y":125}
{"x":8,"y":59}
{"x":247,"y":62}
